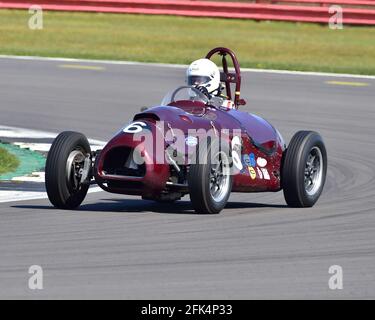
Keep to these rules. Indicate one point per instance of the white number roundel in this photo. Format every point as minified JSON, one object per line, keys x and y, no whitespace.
{"x":236,"y":152}
{"x":135,"y":127}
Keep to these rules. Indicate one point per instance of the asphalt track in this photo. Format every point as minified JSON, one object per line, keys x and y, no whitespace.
{"x":122,"y":247}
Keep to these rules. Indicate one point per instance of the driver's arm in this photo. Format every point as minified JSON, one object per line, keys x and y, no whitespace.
{"x":204,"y":90}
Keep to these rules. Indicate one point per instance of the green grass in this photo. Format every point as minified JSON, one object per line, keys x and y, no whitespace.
{"x":8,"y":162}
{"x":277,"y":45}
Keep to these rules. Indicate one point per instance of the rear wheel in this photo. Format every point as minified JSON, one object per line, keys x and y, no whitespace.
{"x":304,"y":169}
{"x":65,"y":169}
{"x":210,"y":179}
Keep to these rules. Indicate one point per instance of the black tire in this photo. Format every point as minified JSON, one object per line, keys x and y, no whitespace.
{"x":61,"y":193}
{"x":199,"y":179}
{"x":300,"y":191}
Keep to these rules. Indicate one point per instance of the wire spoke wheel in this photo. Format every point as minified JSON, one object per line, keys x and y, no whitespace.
{"x":210,"y":180}
{"x":65,"y":170}
{"x":219,"y":177}
{"x":74,"y":167}
{"x":313,"y":171}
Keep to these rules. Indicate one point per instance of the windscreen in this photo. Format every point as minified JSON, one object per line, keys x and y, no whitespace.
{"x":184,"y":93}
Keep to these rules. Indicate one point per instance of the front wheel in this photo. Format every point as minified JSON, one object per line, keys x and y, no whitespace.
{"x":304,"y":169}
{"x":210,"y":179}
{"x":68,"y":168}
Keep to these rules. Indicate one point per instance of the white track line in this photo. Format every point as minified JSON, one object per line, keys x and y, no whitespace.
{"x":41,"y":147}
{"x":14,"y":132}
{"x":19,"y":133}
{"x":15,"y":195}
{"x":33,"y":177}
{"x":166,"y":65}
{"x":22,"y":133}
{"x":44,"y":147}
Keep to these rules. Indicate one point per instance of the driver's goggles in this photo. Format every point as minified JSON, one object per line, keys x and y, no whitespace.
{"x":197,"y":80}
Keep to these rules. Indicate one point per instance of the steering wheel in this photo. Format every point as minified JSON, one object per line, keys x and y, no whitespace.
{"x":229,"y":77}
{"x":199,"y":94}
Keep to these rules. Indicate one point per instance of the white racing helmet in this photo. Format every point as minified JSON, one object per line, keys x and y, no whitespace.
{"x":205,"y":73}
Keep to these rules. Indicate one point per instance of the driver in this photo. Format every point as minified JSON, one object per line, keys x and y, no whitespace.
{"x":204,"y":75}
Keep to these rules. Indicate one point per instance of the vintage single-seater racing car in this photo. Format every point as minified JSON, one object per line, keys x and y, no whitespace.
{"x":192,"y":143}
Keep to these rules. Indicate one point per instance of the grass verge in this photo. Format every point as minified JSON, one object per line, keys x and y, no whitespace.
{"x":8,"y":162}
{"x":273,"y":45}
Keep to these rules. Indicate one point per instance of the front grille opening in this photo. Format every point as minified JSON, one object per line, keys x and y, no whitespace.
{"x":126,"y":185}
{"x":151,"y":117}
{"x":120,"y":161}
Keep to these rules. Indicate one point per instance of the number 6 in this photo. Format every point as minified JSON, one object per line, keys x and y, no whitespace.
{"x":135,"y":127}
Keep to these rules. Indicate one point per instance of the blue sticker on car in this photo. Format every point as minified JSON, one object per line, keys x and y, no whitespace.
{"x":252,"y":160}
{"x":246,"y":159}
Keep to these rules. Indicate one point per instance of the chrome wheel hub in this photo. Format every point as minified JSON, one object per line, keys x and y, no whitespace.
{"x":313,"y":171}
{"x":219,"y":177}
{"x":74,"y":168}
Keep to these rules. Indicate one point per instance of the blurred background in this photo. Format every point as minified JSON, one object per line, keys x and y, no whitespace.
{"x":309,"y":35}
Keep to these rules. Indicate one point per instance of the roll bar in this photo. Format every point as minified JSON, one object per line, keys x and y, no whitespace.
{"x":229,"y":77}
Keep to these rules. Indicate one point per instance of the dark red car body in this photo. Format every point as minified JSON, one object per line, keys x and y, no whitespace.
{"x":259,"y":140}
